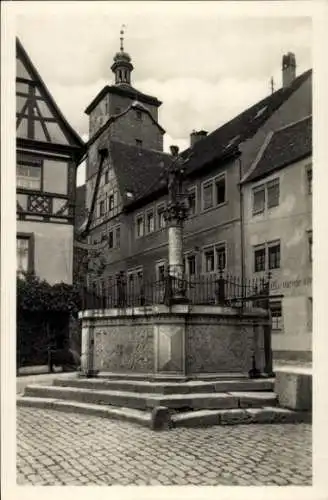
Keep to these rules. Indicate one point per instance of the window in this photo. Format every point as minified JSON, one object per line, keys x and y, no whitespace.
{"x":266,"y":194}
{"x":150,"y":222}
{"x":310,"y":245}
{"x":214,"y":192}
{"x":118,"y":237}
{"x":24,"y":254}
{"x":140,"y":226}
{"x":220,"y":191}
{"x":138,"y":115}
{"x":267,"y":256}
{"x":209,"y":260}
{"x":161,"y":222}
{"x":220,"y":257}
{"x":135,"y":277}
{"x":207,"y":196}
{"x":309,"y":179}
{"x":106,"y":177}
{"x":102,"y":208}
{"x":276,"y":315}
{"x":160,"y":269}
{"x":190,"y":265}
{"x":259,"y":259}
{"x":274,"y":256}
{"x":29,"y":176}
{"x":258,"y":200}
{"x":139,"y":143}
{"x":117,"y":110}
{"x":192,"y":200}
{"x":111,"y":239}
{"x":111,"y":202}
{"x":273,"y":193}
{"x":215,"y":258}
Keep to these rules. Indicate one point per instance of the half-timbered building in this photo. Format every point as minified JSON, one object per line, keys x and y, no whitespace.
{"x":48,"y":151}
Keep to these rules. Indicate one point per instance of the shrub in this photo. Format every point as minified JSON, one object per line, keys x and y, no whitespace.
{"x":36,"y":295}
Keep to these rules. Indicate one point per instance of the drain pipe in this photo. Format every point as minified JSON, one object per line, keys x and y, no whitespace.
{"x":241,"y":215}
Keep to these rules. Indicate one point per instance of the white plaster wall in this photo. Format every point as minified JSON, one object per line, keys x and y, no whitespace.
{"x":55,"y":176}
{"x":53,"y":250}
{"x":288,"y":222}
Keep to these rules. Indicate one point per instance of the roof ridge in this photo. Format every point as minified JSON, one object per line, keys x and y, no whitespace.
{"x":292,"y":88}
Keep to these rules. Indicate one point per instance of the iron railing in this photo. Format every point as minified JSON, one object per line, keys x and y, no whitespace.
{"x":216,"y":289}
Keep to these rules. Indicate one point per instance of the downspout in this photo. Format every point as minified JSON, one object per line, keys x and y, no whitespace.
{"x":241,"y":215}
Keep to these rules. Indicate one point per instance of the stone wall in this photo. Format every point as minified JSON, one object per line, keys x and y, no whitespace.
{"x":182,"y":340}
{"x":218,"y":345}
{"x":124,"y":345}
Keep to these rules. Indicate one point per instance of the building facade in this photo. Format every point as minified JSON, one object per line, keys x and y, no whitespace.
{"x":126,"y":197}
{"x":48,"y":151}
{"x":277,"y":197}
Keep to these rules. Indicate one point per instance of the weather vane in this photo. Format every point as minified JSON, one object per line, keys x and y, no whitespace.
{"x":122,"y":36}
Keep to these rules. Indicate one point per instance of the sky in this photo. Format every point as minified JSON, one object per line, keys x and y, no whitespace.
{"x":206,"y":62}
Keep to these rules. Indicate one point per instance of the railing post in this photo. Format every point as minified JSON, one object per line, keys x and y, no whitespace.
{"x":142,"y":293}
{"x":220,"y":288}
{"x":121,"y":289}
{"x":267,"y":330}
{"x":168,"y":290}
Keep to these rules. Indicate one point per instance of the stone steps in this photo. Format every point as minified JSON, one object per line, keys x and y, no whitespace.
{"x":199,"y":418}
{"x":121,"y":413}
{"x":265,"y":415}
{"x":166,"y":377}
{"x":160,"y":404}
{"x":147,"y":401}
{"x":158,"y":387}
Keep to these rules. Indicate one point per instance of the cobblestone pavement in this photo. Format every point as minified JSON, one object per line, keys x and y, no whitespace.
{"x":55,"y":448}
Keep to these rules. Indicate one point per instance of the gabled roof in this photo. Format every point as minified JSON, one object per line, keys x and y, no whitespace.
{"x":139,"y":171}
{"x":22,"y":54}
{"x":286,"y":146}
{"x":113,"y":118}
{"x":122,"y":89}
{"x":240,"y":128}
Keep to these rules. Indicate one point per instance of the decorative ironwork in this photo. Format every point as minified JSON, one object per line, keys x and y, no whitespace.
{"x":221,"y":289}
{"x":39,"y":204}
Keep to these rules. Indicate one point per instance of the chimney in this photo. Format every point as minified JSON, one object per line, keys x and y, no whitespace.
{"x":288,"y":69}
{"x":197,"y":136}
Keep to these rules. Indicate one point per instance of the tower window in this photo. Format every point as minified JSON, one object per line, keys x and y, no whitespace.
{"x":139,"y":143}
{"x":102,"y":208}
{"x":111,"y":202}
{"x":138,"y":115}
